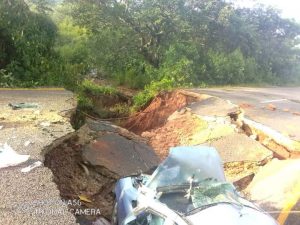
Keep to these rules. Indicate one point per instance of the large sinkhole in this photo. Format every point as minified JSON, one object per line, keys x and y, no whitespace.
{"x":87,"y":163}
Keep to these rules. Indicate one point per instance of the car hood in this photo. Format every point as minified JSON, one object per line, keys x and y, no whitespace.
{"x":226,"y":214}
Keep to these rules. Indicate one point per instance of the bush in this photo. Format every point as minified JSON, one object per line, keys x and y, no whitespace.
{"x":144,"y":97}
{"x":90,"y":88}
{"x":84,"y":103}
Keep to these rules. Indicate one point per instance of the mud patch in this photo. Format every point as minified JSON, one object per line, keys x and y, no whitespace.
{"x":74,"y":181}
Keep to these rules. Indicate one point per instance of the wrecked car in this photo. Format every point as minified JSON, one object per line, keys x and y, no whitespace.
{"x":188,"y":187}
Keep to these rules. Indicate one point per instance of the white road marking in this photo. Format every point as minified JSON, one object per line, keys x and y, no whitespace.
{"x":275,"y":100}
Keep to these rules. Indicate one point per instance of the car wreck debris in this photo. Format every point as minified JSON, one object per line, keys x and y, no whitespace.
{"x":22,"y":105}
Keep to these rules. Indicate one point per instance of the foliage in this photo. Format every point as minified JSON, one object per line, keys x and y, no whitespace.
{"x":84,"y":103}
{"x":146,"y":44}
{"x":35,"y":50}
{"x":28,"y":41}
{"x":144,"y":97}
{"x":90,"y":88}
{"x":189,"y":42}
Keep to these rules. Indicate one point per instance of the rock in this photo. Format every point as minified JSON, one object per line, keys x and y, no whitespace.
{"x":271,"y":107}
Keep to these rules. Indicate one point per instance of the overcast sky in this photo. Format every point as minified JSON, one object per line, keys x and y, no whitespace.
{"x":289,"y":8}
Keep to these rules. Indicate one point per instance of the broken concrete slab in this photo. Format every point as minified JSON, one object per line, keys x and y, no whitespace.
{"x":239,"y":147}
{"x":212,"y":132}
{"x":242,"y":157}
{"x":214,"y":106}
{"x":120,"y":155}
{"x":282,"y":145}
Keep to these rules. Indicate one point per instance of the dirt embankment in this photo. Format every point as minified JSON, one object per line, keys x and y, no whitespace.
{"x":157,"y":113}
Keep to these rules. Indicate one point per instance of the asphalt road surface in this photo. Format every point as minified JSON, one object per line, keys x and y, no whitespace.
{"x":32,"y":197}
{"x":275,"y":107}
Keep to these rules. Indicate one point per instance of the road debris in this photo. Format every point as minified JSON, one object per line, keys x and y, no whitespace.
{"x":8,"y":157}
{"x":296,"y":113}
{"x":45,"y":124}
{"x":245,"y":105}
{"x":22,"y":105}
{"x":1,"y":127}
{"x":31,"y":167}
{"x":37,"y":112}
{"x":84,"y":198}
{"x":27,"y":143}
{"x":271,"y":107}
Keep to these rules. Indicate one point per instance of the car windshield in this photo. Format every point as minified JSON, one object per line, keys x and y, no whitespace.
{"x":192,"y":178}
{"x":183,"y":163}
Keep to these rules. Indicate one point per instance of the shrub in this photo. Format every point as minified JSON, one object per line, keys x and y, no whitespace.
{"x":144,"y":97}
{"x":90,"y":88}
{"x":84,"y":103}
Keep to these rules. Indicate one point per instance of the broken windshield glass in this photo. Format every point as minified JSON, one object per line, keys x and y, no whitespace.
{"x":193,"y":178}
{"x":185,"y":163}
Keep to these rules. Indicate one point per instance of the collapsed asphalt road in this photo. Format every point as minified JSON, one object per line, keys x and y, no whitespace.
{"x":275,"y":107}
{"x":85,"y":164}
